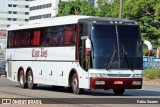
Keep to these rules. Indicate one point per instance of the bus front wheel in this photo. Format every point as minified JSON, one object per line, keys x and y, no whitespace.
{"x":21,"y":80}
{"x":75,"y":85}
{"x":30,"y":83}
{"x":118,"y":91}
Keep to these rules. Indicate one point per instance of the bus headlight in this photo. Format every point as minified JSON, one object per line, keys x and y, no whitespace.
{"x":136,"y":83}
{"x":100,"y":82}
{"x":99,"y":75}
{"x":137,"y":75}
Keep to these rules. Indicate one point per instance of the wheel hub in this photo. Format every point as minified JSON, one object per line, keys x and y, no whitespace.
{"x":74,"y":84}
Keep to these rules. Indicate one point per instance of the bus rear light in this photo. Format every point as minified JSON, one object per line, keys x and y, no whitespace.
{"x":136,"y":83}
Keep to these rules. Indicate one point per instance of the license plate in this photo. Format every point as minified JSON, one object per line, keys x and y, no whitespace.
{"x":118,"y":82}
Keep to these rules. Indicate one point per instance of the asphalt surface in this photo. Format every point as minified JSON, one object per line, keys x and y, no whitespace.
{"x":9,"y":89}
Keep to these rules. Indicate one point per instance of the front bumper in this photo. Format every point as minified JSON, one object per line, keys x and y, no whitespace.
{"x":112,"y":83}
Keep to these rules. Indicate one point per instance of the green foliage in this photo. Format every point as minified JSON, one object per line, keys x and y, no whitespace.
{"x":77,"y":7}
{"x":157,"y":9}
{"x":106,"y":9}
{"x":152,"y":74}
{"x":145,"y":11}
{"x":103,"y":9}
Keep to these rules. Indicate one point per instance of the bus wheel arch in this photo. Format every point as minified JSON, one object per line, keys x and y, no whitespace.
{"x":72,"y":72}
{"x":21,"y":78}
{"x":30,"y":79}
{"x":74,"y":82}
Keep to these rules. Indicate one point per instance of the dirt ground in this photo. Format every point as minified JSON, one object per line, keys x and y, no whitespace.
{"x":154,"y":81}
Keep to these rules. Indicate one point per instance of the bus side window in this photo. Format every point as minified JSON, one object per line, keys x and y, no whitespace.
{"x":15,"y":40}
{"x":70,"y":34}
{"x":59,"y":30}
{"x":47,"y":36}
{"x":35,"y":37}
{"x":22,"y":38}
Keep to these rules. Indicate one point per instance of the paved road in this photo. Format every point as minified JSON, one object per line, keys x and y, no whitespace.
{"x":9,"y":89}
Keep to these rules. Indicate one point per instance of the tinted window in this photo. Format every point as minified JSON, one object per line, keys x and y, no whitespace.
{"x":116,"y":47}
{"x":130,"y":44}
{"x":50,"y":36}
{"x":104,"y":43}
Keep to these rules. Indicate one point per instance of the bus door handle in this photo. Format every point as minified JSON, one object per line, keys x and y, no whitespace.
{"x":61,"y":74}
{"x":50,"y":73}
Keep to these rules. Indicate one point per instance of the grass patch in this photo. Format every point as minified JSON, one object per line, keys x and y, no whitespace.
{"x":152,"y":73}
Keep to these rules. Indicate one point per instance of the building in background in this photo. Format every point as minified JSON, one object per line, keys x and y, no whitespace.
{"x":46,"y":9}
{"x":11,"y":12}
{"x":42,"y":10}
{"x":18,"y":11}
{"x":3,"y":18}
{"x":3,"y":28}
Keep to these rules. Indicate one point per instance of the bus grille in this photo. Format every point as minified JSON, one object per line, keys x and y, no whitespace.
{"x":119,"y":75}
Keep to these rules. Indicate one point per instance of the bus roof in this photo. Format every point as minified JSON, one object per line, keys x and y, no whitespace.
{"x":64,"y":20}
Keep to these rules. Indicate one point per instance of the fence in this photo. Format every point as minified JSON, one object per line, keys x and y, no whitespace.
{"x":151,"y":63}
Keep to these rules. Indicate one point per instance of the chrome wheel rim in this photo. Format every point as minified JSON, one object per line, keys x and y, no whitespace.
{"x":21,"y":79}
{"x":74,"y":84}
{"x":30,"y":80}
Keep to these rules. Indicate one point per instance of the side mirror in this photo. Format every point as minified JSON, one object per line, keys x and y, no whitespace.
{"x":149,"y":45}
{"x":88,"y":47}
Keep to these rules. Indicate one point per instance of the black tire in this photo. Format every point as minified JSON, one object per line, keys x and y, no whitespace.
{"x":75,"y":85}
{"x":22,"y":82}
{"x":118,"y":91}
{"x":30,"y":83}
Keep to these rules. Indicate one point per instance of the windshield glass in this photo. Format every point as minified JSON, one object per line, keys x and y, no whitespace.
{"x":105,"y":43}
{"x":130,"y":47}
{"x":121,"y":50}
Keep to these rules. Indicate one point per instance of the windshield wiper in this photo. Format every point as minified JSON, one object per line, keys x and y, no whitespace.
{"x":129,"y":63}
{"x":111,"y":58}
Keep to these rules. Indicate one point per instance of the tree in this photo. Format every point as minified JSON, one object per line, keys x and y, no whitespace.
{"x":76,"y":7}
{"x":144,"y":11}
{"x":107,"y":9}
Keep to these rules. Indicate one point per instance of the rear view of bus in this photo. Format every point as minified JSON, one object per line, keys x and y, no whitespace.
{"x":110,"y":50}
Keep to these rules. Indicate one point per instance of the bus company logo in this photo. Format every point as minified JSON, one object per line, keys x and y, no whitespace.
{"x":21,"y":101}
{"x":6,"y":101}
{"x":39,"y":53}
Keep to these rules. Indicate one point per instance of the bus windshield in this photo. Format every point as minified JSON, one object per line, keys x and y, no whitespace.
{"x":116,"y":47}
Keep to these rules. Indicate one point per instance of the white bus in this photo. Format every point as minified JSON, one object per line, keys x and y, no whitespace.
{"x":81,"y":52}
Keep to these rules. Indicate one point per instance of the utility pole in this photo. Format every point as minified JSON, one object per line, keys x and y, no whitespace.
{"x":120,"y":8}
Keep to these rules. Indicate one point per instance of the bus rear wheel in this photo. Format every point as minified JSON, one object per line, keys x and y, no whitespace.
{"x":30,"y":83}
{"x":75,"y":85}
{"x":21,"y":80}
{"x":118,"y":91}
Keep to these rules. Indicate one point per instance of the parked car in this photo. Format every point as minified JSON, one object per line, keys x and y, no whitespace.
{"x":2,"y":67}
